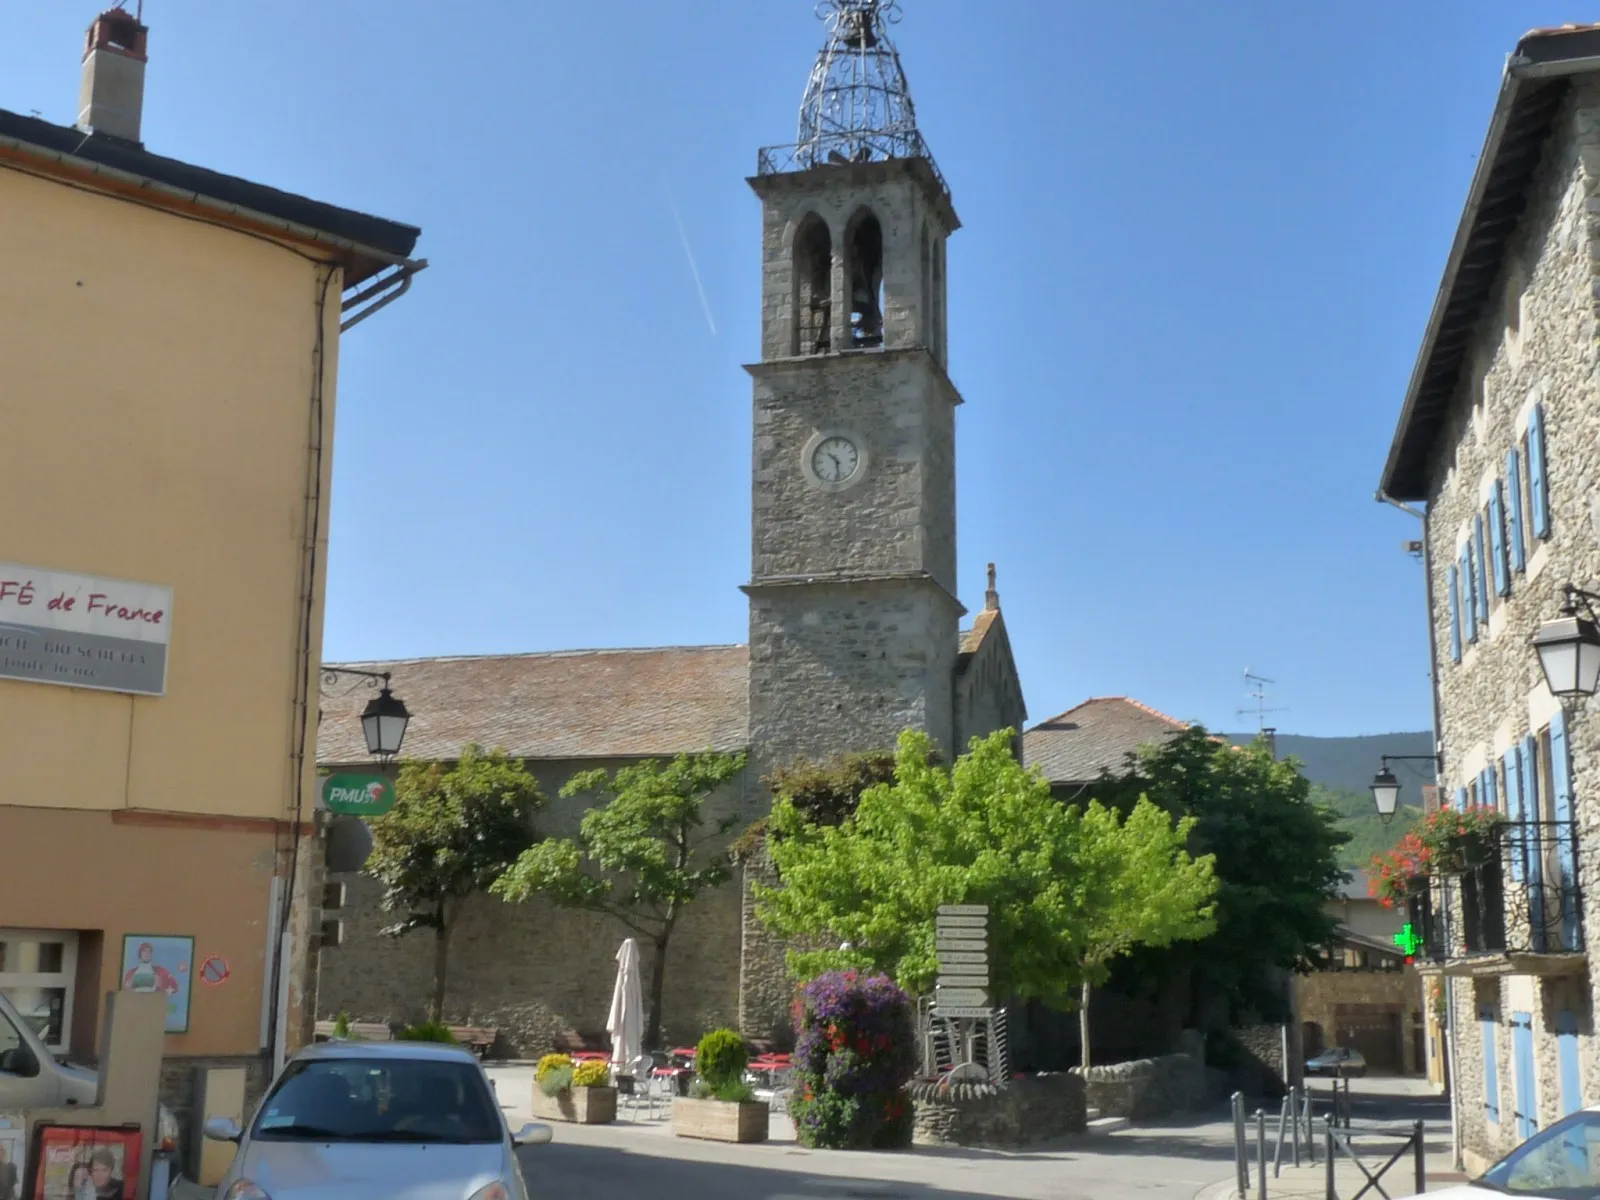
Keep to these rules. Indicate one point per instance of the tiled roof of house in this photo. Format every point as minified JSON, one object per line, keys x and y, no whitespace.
{"x":1097,"y":735}
{"x":560,"y":704}
{"x":972,"y":638}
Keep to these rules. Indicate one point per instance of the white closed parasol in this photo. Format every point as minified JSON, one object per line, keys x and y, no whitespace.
{"x":626,"y":1022}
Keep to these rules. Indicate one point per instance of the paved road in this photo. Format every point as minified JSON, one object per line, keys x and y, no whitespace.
{"x":1166,"y":1163}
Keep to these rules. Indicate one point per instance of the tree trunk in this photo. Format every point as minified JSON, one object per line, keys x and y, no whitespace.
{"x":1083,"y":1022}
{"x":658,"y":979}
{"x":441,"y":959}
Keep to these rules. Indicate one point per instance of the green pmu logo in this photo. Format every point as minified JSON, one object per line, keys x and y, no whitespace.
{"x":358,"y":795}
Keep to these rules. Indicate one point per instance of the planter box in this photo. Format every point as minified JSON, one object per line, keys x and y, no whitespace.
{"x":719,"y":1120}
{"x":580,"y":1105}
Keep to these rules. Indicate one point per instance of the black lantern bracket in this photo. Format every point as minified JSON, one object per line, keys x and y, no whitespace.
{"x":385,"y":718}
{"x":363,"y":679}
{"x":1574,"y":599}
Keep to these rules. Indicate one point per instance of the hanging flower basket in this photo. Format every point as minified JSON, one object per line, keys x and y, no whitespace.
{"x":1459,"y":840}
{"x":1394,"y":876}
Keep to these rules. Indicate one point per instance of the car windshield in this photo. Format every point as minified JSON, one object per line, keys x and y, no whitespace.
{"x":379,"y":1100}
{"x":1562,"y":1162}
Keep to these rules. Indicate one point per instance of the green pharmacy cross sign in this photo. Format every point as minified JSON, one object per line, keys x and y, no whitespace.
{"x":358,"y":795}
{"x":1408,"y":941}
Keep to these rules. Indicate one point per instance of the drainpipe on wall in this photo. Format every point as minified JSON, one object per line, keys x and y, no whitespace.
{"x":1438,"y":749}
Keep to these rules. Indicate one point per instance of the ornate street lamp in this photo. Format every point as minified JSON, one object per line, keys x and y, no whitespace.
{"x":1386,"y":788}
{"x":384,"y":720}
{"x":1569,"y":647}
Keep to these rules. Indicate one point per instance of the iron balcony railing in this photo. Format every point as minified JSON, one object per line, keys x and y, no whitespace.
{"x":1521,"y":897}
{"x":849,"y":146}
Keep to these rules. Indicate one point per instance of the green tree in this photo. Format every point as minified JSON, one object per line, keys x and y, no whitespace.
{"x":985,"y":831}
{"x":642,"y":856}
{"x":452,"y":832}
{"x":1142,"y":888}
{"x":1277,"y":862}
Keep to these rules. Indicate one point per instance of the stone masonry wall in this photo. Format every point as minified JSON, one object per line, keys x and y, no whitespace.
{"x":1321,"y":994}
{"x":1145,"y":1088}
{"x":1038,"y":1108}
{"x":534,"y":971}
{"x":1495,"y":695}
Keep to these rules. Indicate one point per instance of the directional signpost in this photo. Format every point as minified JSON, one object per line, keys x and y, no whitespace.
{"x":961,"y":940}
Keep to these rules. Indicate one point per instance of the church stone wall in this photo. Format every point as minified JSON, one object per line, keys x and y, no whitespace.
{"x":835,"y":669}
{"x":532,"y":970}
{"x":989,"y":694}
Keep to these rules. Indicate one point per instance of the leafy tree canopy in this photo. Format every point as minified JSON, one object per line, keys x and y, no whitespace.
{"x":641,"y":856}
{"x":452,"y":831}
{"x":1276,"y":854}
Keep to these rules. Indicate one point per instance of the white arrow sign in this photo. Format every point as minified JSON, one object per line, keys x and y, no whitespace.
{"x":960,"y":922}
{"x":956,"y":956}
{"x":947,"y":1010}
{"x":967,"y":944}
{"x":963,"y":910}
{"x":960,"y":996}
{"x":955,"y":968}
{"x":946,"y":982}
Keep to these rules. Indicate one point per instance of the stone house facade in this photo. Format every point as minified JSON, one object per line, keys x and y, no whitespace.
{"x":1499,"y":437}
{"x":854,"y":619}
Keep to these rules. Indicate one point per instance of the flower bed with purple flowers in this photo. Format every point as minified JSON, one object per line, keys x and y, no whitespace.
{"x":855,"y":1052}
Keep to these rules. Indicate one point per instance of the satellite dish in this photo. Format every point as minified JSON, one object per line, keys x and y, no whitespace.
{"x":349,"y":844}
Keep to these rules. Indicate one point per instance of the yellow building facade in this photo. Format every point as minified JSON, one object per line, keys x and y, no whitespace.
{"x":168,"y":358}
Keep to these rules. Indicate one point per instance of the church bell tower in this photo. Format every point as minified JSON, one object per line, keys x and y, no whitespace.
{"x":853,"y":611}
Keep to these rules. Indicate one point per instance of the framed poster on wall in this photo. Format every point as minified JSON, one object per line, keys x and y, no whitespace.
{"x":77,"y":1162}
{"x":161,"y":963}
{"x":13,"y":1156}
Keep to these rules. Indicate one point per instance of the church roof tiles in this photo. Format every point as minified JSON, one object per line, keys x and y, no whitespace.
{"x":1097,"y":735}
{"x":562,"y":704}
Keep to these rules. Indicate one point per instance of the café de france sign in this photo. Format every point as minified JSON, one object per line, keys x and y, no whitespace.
{"x":83,"y":631}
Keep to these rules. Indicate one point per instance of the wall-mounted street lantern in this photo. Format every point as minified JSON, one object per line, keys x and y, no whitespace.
{"x":1386,"y":788}
{"x":384,"y":720}
{"x":1569,"y":647}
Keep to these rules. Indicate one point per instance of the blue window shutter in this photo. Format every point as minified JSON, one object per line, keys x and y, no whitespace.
{"x":1491,"y":788}
{"x":1469,"y":592}
{"x":1533,"y":841}
{"x":1453,"y":576}
{"x":1482,"y":582}
{"x":1538,"y":483}
{"x":1564,"y":834}
{"x":1519,"y":550}
{"x":1567,"y":1057}
{"x":1497,"y":542}
{"x":1516,"y":843}
{"x":1526,"y":1097}
{"x":1461,"y":799}
{"x":1491,"y":1080}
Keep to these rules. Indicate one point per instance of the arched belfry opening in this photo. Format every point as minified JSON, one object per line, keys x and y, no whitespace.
{"x":813,"y":273}
{"x":864,"y":254}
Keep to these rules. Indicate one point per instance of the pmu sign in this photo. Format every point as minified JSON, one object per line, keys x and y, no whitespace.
{"x":358,"y":795}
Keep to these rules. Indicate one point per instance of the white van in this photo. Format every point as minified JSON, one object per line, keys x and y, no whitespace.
{"x":30,"y":1076}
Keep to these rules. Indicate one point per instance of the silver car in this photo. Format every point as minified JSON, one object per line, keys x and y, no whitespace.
{"x":364,"y":1120}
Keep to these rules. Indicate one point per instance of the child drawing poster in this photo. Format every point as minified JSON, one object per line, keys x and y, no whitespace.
{"x":161,"y":963}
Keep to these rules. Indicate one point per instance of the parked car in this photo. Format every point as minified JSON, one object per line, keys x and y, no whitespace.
{"x":1340,"y":1060}
{"x":364,"y":1120}
{"x":1559,"y":1163}
{"x":32,"y":1077}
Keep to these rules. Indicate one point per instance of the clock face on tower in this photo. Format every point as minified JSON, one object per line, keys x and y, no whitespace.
{"x":835,"y":459}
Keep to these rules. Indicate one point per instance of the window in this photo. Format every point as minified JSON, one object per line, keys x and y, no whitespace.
{"x":813,"y":274}
{"x":37,"y":970}
{"x":864,"y":245}
{"x":380,"y":1100}
{"x":1533,"y":449}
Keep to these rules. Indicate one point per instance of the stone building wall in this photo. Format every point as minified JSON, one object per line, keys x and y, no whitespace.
{"x":1038,"y":1108}
{"x":534,"y":971}
{"x":1145,"y":1088}
{"x":1320,"y":996}
{"x":1495,"y":695}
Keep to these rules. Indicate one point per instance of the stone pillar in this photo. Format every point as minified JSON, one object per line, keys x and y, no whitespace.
{"x":765,"y":989}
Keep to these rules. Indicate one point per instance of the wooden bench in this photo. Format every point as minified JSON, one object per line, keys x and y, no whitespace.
{"x":571,"y":1041}
{"x":366,"y":1031}
{"x":475,"y":1038}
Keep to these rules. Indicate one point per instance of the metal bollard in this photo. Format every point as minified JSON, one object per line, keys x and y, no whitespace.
{"x":1261,"y":1154}
{"x":1277,"y":1150}
{"x":1241,"y":1161}
{"x":1327,"y":1148}
{"x":1421,"y":1162}
{"x":1294,"y":1120}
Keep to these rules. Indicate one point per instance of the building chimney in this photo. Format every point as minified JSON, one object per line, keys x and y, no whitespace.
{"x":1270,"y":737}
{"x":111,"y":95}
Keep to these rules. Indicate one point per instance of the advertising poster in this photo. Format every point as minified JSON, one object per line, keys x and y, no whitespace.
{"x":161,"y":963}
{"x":13,"y":1156}
{"x":80,"y":1162}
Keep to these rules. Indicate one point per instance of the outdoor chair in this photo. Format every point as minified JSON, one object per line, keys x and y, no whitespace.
{"x":636,"y":1087}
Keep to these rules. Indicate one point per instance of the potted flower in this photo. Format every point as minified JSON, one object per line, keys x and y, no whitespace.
{"x":1396,"y":875}
{"x":720,"y":1105}
{"x":581,"y":1093}
{"x":1459,"y":839}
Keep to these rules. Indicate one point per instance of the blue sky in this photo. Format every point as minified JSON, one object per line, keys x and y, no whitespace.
{"x":1200,"y":244}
